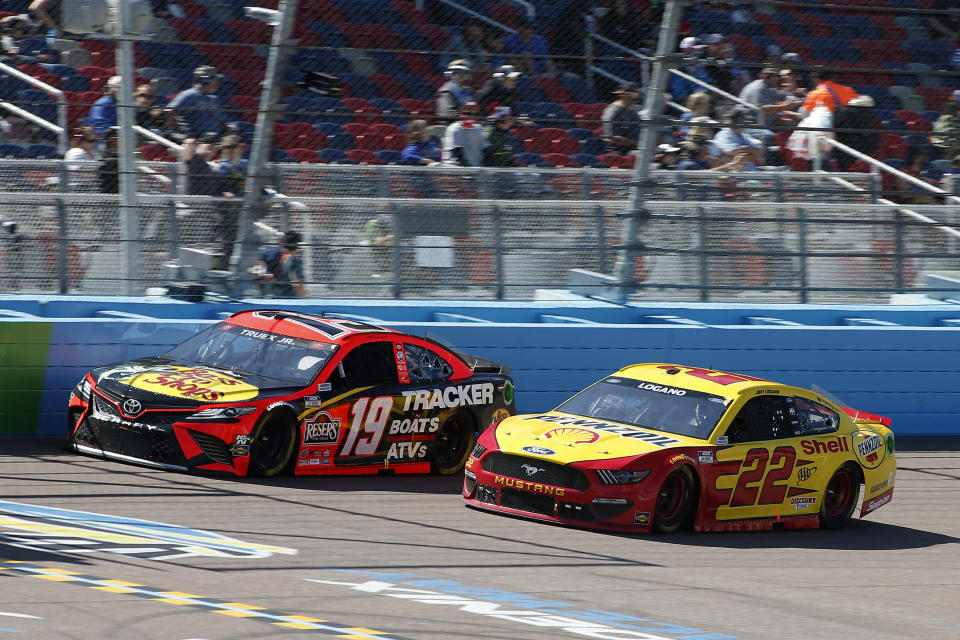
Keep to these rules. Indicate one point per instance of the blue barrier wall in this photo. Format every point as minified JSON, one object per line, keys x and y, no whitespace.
{"x":902,"y":362}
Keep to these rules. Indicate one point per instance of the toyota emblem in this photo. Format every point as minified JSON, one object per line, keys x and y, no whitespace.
{"x":132,"y":407}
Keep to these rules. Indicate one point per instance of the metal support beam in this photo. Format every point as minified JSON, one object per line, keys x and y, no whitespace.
{"x":245,"y":248}
{"x":126,"y":167}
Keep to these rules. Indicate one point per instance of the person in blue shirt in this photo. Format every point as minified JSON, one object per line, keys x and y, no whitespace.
{"x":198,"y":110}
{"x":103,"y":113}
{"x":422,"y":148}
{"x":531,"y":52}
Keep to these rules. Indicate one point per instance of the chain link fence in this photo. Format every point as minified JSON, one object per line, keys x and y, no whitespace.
{"x":408,"y":232}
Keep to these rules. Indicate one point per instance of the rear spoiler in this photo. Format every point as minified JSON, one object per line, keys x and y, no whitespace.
{"x":482,"y":365}
{"x":862,"y":417}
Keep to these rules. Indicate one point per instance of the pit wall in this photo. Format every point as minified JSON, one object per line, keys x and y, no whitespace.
{"x":901,"y":362}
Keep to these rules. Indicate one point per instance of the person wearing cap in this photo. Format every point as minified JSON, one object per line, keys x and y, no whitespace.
{"x":946,"y":130}
{"x":855,"y":127}
{"x":666,"y":156}
{"x":621,"y":121}
{"x":469,"y":47}
{"x":103,"y":113}
{"x":701,"y":131}
{"x":719,"y":57}
{"x":288,"y":275}
{"x":499,"y":152}
{"x":733,"y":140}
{"x":529,"y":51}
{"x":197,"y":110}
{"x":463,"y":141}
{"x":454,"y":93}
{"x":696,"y":156}
{"x":773,"y":103}
{"x":679,"y":88}
{"x":500,"y":89}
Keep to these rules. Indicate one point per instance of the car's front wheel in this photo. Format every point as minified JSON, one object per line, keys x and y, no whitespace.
{"x":273,"y":444}
{"x":452,"y":445}
{"x":840,"y":497}
{"x":675,"y":501}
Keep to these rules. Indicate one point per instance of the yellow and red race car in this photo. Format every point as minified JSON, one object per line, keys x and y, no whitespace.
{"x":271,"y":391}
{"x":660,"y":447}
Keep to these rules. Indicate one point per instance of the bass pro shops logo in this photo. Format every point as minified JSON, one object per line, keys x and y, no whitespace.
{"x":321,"y":428}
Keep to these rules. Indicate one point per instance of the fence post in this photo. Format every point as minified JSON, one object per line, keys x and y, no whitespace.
{"x":703,"y":265}
{"x":62,"y":236}
{"x":498,"y":251}
{"x":802,"y":250}
{"x":898,"y":247}
{"x":395,"y":257}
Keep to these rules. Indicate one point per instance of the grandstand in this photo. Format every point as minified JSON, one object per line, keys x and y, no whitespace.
{"x":390,"y":57}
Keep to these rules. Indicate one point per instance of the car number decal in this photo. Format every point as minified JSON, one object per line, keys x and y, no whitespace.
{"x":762,"y":477}
{"x":371,"y":416}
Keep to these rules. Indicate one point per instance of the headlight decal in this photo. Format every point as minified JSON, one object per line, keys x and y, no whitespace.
{"x":622,"y":476}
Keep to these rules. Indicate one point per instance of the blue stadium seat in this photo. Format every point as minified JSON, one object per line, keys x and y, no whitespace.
{"x":584,"y":159}
{"x":398,"y":116}
{"x":389,"y":156}
{"x":77,"y":84}
{"x":527,"y":159}
{"x":280,"y":155}
{"x":331,"y":155}
{"x":8,"y":150}
{"x":594,"y":146}
{"x":327,"y":128}
{"x":342,"y":141}
{"x":580,"y":133}
{"x":930,"y":115}
{"x":41,"y":151}
{"x":339,"y":114}
{"x":384,"y":103}
{"x":421,"y":91}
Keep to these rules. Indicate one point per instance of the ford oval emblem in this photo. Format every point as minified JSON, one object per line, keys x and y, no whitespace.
{"x":539,"y":451}
{"x":132,"y":407}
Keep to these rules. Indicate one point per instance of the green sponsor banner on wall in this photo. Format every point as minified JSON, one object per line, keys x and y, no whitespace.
{"x":23,"y":364}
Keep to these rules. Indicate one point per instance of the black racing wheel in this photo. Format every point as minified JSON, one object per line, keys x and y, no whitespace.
{"x":675,"y":501}
{"x":452,"y":445}
{"x":273,"y":444}
{"x":840,"y":497}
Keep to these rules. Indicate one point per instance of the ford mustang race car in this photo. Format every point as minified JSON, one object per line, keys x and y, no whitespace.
{"x":660,"y":447}
{"x":269,"y":391}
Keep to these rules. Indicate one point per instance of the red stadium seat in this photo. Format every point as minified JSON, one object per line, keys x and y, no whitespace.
{"x":385,"y":129}
{"x":559,"y":160}
{"x":565,"y":145}
{"x":356,"y":128}
{"x":355,"y":104}
{"x":395,"y":141}
{"x":303,"y":155}
{"x":155,"y":153}
{"x":369,"y":141}
{"x":363,"y":156}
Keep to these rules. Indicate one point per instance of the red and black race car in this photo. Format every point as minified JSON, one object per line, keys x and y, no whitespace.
{"x":271,"y":391}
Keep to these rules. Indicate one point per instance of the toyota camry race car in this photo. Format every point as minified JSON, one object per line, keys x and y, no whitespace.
{"x":265,"y":392}
{"x":660,"y":447}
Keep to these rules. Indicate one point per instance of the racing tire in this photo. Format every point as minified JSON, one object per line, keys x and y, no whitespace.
{"x":676,"y":500}
{"x":840,"y":497}
{"x":452,"y":446}
{"x":273,"y":444}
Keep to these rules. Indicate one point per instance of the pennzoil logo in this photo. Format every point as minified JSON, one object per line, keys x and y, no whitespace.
{"x":533,"y":487}
{"x":572,"y":435}
{"x":321,"y":428}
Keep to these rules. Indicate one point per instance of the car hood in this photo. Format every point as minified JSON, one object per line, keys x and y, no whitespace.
{"x":564,"y":438}
{"x":180,"y":383}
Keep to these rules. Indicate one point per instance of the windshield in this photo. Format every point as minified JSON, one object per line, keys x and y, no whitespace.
{"x":261,"y":353}
{"x":652,"y":406}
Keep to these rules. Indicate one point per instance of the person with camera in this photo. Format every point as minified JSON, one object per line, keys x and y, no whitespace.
{"x":197,"y":110}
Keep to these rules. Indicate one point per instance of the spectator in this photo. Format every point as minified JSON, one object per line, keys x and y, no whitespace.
{"x":680,"y":87}
{"x":947,"y":130}
{"x":774,"y":102}
{"x":149,"y":115}
{"x":463,"y":142}
{"x":454,"y":93}
{"x":497,"y":52}
{"x":500,"y":90}
{"x":566,"y":40}
{"x":945,"y":26}
{"x":288,"y":276}
{"x":625,"y":26}
{"x":696,"y":157}
{"x":499,"y":152}
{"x":855,"y":127}
{"x":700,"y":104}
{"x":201,"y":175}
{"x":530,"y":51}
{"x":197,"y":110}
{"x":231,"y":166}
{"x":917,"y":164}
{"x":948,"y":180}
{"x":790,"y":83}
{"x":827,"y":92}
{"x":621,"y":122}
{"x":48,"y":13}
{"x":422,"y":147}
{"x":470,"y":48}
{"x":103,"y":113}
{"x":666,"y":157}
{"x":83,"y":151}
{"x":108,"y":173}
{"x":719,"y":61}
{"x":13,"y":29}
{"x":734,"y":142}
{"x":379,"y":234}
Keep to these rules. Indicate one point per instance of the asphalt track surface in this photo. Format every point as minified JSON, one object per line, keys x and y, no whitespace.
{"x":402,"y":558}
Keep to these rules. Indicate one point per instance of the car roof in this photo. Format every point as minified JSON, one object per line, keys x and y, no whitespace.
{"x":713,"y":381}
{"x":308,"y":326}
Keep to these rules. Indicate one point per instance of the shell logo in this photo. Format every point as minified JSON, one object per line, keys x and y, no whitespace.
{"x":572,"y":435}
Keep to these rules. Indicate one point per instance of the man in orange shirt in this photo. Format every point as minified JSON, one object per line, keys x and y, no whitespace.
{"x":827,"y":92}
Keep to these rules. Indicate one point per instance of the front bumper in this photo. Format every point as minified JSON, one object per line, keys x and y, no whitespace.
{"x":567,"y":495}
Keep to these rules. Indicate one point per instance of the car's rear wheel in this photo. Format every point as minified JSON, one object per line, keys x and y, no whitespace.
{"x":452,"y":445}
{"x":273,"y":444}
{"x":840,"y":497}
{"x":675,"y":501}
